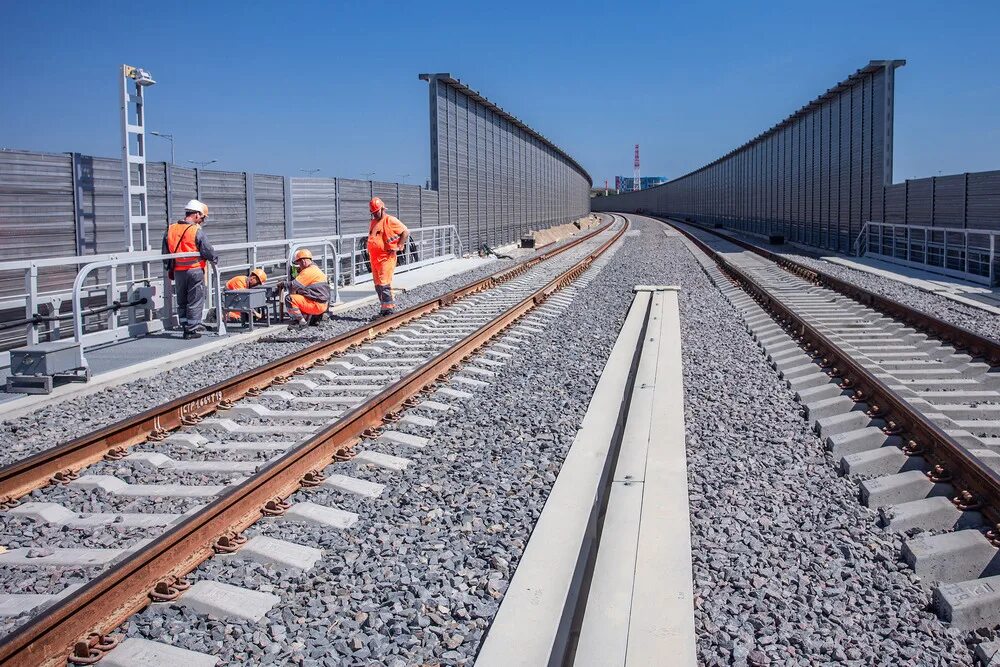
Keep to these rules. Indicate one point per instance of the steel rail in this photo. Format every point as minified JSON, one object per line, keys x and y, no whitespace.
{"x":113,"y":596}
{"x":22,"y":477}
{"x":961,"y":338}
{"x":924,"y":437}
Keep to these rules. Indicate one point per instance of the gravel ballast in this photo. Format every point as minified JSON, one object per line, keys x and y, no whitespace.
{"x":74,"y":417}
{"x":788,"y":567}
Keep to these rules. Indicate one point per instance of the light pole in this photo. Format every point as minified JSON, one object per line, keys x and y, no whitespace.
{"x":168,"y":137}
{"x":202,"y":163}
{"x":402,"y":177}
{"x":369,"y":175}
{"x":311,"y":172}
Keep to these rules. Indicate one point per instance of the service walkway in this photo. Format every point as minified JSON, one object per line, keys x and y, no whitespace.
{"x":127,"y":360}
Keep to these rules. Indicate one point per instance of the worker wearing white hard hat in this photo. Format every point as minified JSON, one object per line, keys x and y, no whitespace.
{"x":188,"y":273}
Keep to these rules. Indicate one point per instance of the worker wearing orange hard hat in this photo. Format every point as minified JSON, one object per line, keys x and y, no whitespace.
{"x":386,"y":237}
{"x":188,"y":273}
{"x":309,"y":293}
{"x":256,"y":278}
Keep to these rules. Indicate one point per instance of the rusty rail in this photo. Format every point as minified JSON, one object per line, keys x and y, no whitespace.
{"x":105,"y":602}
{"x":20,"y":478}
{"x":974,"y":482}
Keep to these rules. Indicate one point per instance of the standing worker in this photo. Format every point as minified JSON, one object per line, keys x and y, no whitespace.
{"x":188,"y":273}
{"x":256,"y":279}
{"x":309,"y":293}
{"x":386,"y":236}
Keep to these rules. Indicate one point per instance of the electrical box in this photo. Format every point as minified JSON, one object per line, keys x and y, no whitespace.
{"x":32,"y":368}
{"x":146,"y":292}
{"x":245,"y":300}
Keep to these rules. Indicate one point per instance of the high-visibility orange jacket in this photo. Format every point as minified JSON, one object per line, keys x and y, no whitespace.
{"x":238,"y":282}
{"x":311,"y":283}
{"x":384,"y":238}
{"x":187,"y":237}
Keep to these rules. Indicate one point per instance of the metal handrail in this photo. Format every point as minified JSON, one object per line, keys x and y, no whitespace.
{"x":34,"y":298}
{"x":113,"y":264}
{"x":976,"y":262}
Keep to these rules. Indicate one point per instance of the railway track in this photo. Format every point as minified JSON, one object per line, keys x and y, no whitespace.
{"x":251,"y":441}
{"x":908,"y":404}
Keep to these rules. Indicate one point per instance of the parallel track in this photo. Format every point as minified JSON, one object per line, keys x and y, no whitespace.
{"x":114,"y":595}
{"x":910,"y":400}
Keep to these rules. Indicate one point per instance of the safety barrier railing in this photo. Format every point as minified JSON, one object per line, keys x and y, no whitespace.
{"x":99,"y":289}
{"x":964,"y":253}
{"x":426,"y":246}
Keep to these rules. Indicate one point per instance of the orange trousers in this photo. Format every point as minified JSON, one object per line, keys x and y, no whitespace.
{"x":296,"y":305}
{"x":383,"y":266}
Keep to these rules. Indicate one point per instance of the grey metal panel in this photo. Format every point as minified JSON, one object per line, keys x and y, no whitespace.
{"x":101,"y":205}
{"x":816,"y":176}
{"x":387,"y":193}
{"x":498,"y":176}
{"x":269,"y":200}
{"x":949,"y":201}
{"x":354,"y":214}
{"x":36,"y":214}
{"x":314,"y":206}
{"x":183,"y":183}
{"x":919,"y":204}
{"x":429,"y":203}
{"x":409,"y":205}
{"x":156,"y":197}
{"x":225,"y":194}
{"x":983,"y":200}
{"x":895,"y":203}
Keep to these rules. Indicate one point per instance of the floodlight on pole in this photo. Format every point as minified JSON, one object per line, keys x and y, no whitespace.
{"x":134,"y":80}
{"x":402,"y":177}
{"x":311,"y":172}
{"x":168,"y":137}
{"x":202,"y":163}
{"x":369,"y":175}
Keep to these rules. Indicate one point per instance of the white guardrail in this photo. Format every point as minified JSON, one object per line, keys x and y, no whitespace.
{"x":963,"y":253}
{"x":110,"y":283}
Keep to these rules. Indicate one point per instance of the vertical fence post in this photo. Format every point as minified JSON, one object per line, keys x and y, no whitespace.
{"x":289,"y":222}
{"x":168,"y":178}
{"x":31,"y":301}
{"x":77,"y":202}
{"x":251,"y":206}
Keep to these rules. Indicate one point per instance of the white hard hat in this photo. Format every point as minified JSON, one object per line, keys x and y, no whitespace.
{"x":197,"y":206}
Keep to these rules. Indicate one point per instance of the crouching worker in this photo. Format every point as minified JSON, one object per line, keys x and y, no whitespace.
{"x":256,"y":279}
{"x":309,"y":294}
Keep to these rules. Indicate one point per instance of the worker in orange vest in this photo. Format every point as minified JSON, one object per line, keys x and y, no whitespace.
{"x":309,"y":293}
{"x":386,"y":237}
{"x":188,"y":273}
{"x":256,"y":279}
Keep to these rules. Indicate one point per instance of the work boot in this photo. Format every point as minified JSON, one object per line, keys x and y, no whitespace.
{"x":297,"y":324}
{"x":192,"y":333}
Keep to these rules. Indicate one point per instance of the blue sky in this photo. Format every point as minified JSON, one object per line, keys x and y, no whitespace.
{"x":279,"y":87}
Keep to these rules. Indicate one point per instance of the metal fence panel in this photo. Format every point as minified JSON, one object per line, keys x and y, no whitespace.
{"x":354,"y":198}
{"x":816,"y":176}
{"x":36,"y":213}
{"x":314,"y":206}
{"x":269,"y":205}
{"x":983,"y":200}
{"x":495,"y":175}
{"x":388,"y":194}
{"x":409,"y":205}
